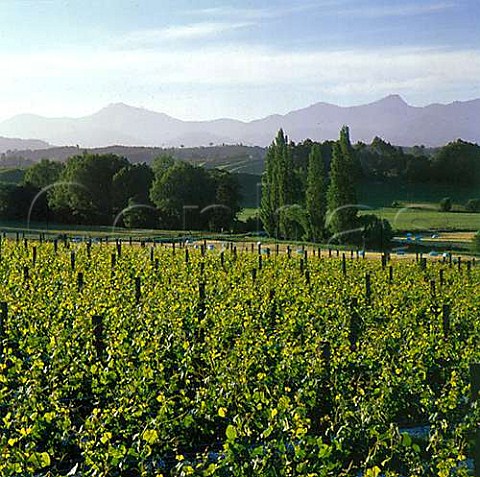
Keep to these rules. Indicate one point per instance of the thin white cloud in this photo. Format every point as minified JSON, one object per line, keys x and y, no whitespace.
{"x":220,"y":72}
{"x":192,"y":31}
{"x":343,"y":7}
{"x":402,"y":10}
{"x":236,"y":64}
{"x":257,"y":14}
{"x":220,"y":20}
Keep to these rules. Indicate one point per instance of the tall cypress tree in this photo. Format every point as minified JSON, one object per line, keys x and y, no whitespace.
{"x":349,"y":154}
{"x":267,"y":204}
{"x":315,"y":194}
{"x":341,"y":195}
{"x":274,"y":188}
{"x":286,"y":185}
{"x":280,"y":188}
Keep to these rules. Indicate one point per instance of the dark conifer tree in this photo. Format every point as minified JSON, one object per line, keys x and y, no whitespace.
{"x":315,"y":194}
{"x":341,"y":195}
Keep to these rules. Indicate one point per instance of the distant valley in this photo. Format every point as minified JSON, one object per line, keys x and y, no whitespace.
{"x":235,"y":158}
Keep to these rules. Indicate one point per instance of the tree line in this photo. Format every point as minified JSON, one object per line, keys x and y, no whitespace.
{"x":308,"y":192}
{"x":106,"y":189}
{"x":456,"y":163}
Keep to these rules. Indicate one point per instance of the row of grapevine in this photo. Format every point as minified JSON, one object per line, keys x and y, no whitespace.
{"x":157,"y":361}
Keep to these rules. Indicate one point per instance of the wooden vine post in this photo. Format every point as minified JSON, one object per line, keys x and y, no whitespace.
{"x":138,"y":289}
{"x":326,"y":354}
{"x":354,"y":324}
{"x":432,"y":288}
{"x":423,"y":264}
{"x":384,"y":261}
{"x":368,"y":288}
{"x":446,"y":320}
{"x":80,"y":281}
{"x":201,"y":299}
{"x":97,"y":322}
{"x":3,"y":321}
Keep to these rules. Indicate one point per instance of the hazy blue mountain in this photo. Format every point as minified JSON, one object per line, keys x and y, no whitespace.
{"x":390,"y":118}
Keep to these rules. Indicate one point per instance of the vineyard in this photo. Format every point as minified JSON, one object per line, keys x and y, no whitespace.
{"x":126,"y":360}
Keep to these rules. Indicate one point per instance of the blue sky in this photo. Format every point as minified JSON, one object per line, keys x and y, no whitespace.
{"x":209,"y":59}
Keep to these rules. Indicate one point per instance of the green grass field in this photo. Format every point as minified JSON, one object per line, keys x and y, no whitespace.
{"x":424,"y":217}
{"x":247,"y":213}
{"x":412,"y":219}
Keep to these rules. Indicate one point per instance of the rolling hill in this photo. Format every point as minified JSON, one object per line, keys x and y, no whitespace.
{"x":15,"y":144}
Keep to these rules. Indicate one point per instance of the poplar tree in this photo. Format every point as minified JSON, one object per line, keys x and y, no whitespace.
{"x":268,"y":203}
{"x":286,"y":185}
{"x":341,"y":195}
{"x":315,"y":194}
{"x":277,"y":186}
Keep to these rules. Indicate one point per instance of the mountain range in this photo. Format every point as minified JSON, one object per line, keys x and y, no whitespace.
{"x":390,"y":118}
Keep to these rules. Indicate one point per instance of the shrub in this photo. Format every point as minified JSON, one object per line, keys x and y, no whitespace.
{"x":377,"y":233}
{"x":476,"y":242}
{"x":473,"y":205}
{"x":446,"y":204}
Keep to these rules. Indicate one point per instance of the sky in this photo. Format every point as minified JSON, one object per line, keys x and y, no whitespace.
{"x":198,"y":60}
